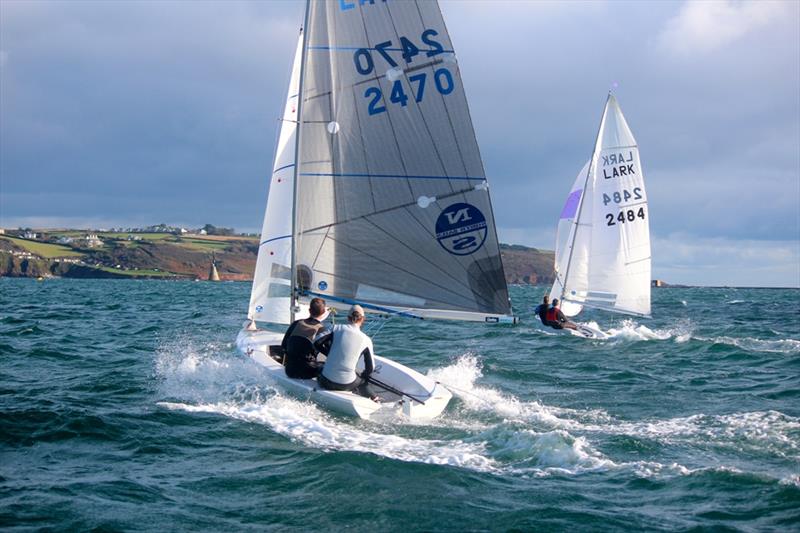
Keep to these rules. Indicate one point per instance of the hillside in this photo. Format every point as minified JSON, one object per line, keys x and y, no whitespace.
{"x":68,"y":253}
{"x":525,"y":265}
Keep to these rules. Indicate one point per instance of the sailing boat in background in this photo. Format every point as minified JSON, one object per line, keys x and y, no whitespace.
{"x":602,"y":256}
{"x":213,"y":274}
{"x":378,"y":194}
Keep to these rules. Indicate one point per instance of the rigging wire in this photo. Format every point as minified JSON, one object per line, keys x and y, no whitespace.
{"x":375,"y":327}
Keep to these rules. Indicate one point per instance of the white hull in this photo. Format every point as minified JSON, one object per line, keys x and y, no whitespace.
{"x":255,"y":344}
{"x":584,"y":330}
{"x":587,"y":332}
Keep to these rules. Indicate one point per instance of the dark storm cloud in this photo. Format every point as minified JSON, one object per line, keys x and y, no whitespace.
{"x":157,"y":108}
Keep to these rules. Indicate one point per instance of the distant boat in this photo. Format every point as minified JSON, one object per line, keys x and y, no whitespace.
{"x":602,"y":256}
{"x":213,"y":274}
{"x":379,"y":197}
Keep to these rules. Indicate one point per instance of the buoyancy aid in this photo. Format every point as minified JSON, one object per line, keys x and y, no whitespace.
{"x":551,"y":315}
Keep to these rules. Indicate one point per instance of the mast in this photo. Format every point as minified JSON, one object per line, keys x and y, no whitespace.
{"x":583,"y":196}
{"x":300,"y":96}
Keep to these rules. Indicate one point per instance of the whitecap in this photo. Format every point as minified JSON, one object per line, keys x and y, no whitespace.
{"x":757,"y":345}
{"x":305,"y":423}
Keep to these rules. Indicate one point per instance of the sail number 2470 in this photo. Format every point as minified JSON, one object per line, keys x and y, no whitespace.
{"x":365,"y":65}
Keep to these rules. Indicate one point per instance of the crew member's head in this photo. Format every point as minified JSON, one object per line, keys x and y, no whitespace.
{"x":546,"y":299}
{"x":316,"y":307}
{"x":356,"y":315}
{"x":555,"y":302}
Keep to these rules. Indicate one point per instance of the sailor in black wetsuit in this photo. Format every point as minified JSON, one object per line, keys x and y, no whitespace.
{"x":298,"y":343}
{"x":542,"y":308}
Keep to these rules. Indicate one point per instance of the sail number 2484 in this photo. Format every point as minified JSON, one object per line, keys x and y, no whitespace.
{"x":624,"y":216}
{"x":389,"y":53}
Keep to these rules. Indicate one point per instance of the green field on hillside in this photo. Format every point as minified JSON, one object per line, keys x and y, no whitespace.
{"x":142,"y":236}
{"x":134,"y":273}
{"x":202,"y":245}
{"x":79,"y":234}
{"x":43,"y":249}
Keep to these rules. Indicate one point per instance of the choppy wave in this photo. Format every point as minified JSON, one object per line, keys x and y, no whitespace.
{"x":144,"y":400}
{"x":683,"y":331}
{"x":630,"y":330}
{"x":239,"y":392}
{"x":303,"y":422}
{"x":518,"y":437}
{"x":498,"y":433}
{"x":761,"y":433}
{"x":237,"y":389}
{"x":789,"y":346}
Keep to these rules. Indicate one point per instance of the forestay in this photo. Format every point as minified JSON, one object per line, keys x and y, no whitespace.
{"x":606,"y":262}
{"x":392,"y":207}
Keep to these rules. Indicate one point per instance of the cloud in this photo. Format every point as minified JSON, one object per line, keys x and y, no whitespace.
{"x":704,"y":27}
{"x":686,"y":259}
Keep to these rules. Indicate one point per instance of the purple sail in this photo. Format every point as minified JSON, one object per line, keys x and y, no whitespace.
{"x":571,"y":206}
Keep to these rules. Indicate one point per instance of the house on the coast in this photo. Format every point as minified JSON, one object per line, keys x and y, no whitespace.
{"x":91,"y":240}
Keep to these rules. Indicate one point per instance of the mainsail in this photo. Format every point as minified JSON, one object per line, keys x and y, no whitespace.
{"x":392,"y":206}
{"x":604,"y":262}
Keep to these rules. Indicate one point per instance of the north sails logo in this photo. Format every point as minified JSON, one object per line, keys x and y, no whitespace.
{"x":461,"y":229}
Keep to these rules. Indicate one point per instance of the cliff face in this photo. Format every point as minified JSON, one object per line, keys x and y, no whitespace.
{"x":527,"y":265}
{"x":236,"y":262}
{"x":19,"y":267}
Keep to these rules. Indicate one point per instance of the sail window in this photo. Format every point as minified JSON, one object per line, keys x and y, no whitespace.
{"x":280,"y":272}
{"x":278,"y":290}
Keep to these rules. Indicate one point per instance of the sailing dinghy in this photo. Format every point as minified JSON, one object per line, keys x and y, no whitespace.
{"x":378,"y":195}
{"x":602,"y":258}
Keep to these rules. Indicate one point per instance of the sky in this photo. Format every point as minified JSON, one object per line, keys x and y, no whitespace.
{"x":136,"y":113}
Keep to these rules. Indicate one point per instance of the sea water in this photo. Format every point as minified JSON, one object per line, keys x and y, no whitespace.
{"x":125,"y":406}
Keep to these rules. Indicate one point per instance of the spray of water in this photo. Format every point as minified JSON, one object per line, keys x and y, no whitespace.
{"x":486,"y":430}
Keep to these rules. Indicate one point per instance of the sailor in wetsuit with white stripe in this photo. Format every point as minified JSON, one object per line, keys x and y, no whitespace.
{"x":344,"y":346}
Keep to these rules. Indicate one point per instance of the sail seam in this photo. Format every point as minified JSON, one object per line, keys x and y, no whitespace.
{"x":282,"y":168}
{"x":274,"y":239}
{"x":607,"y":148}
{"x":396,"y":176}
{"x":351,"y":48}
